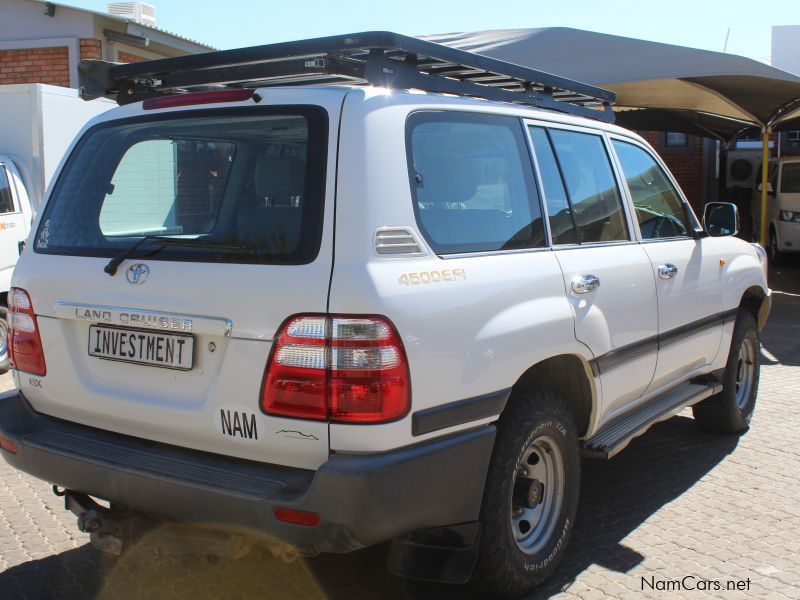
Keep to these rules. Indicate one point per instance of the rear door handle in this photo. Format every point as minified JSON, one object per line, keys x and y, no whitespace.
{"x":667,"y":271}
{"x":583,"y":284}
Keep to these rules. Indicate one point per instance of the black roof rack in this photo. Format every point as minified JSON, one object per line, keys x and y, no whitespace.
{"x":377,"y":57}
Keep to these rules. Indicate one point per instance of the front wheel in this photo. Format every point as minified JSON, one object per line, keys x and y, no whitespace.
{"x":730,"y":411}
{"x":5,"y":363}
{"x":531,"y":496}
{"x":776,"y":257}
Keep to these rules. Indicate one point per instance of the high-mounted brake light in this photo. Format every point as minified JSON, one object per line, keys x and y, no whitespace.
{"x":24,"y":343}
{"x":188,"y":99}
{"x":338,"y":368}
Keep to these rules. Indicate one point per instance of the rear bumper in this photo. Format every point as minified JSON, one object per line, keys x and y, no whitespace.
{"x":362,"y":499}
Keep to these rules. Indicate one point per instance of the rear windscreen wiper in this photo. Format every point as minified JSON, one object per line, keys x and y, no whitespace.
{"x":114,"y":263}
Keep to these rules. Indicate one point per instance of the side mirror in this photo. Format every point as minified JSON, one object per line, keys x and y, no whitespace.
{"x":721,"y":218}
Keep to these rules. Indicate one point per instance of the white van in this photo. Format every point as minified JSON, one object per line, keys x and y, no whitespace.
{"x":783,"y":208}
{"x":324,"y":316}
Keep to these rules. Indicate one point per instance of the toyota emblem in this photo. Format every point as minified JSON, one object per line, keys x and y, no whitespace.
{"x":137,"y":274}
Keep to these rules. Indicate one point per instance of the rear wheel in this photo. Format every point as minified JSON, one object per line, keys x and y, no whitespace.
{"x":531,"y":495}
{"x":730,"y":411}
{"x":5,"y":363}
{"x":776,"y":257}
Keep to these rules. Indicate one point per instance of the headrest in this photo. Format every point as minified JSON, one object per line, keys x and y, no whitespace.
{"x":280,"y":176}
{"x":446,"y":179}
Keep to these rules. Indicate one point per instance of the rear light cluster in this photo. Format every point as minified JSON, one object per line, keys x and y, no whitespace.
{"x":337,"y":368}
{"x":24,"y":343}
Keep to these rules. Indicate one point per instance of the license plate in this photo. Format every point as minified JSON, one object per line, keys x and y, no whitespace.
{"x":152,"y":348}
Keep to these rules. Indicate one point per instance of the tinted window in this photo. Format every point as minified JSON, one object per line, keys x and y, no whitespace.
{"x":790,"y":180}
{"x":562,"y":225}
{"x":6,"y":201}
{"x":231,"y":185}
{"x":472,"y":183}
{"x":659,"y":209}
{"x":592,"y":189}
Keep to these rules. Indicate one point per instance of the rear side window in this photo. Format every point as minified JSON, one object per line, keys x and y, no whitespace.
{"x":472,"y":183}
{"x":592,"y":192}
{"x":659,"y":208}
{"x":226,"y":185}
{"x":559,"y":211}
{"x":6,"y":201}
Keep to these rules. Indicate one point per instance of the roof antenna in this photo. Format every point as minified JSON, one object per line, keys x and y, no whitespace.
{"x":727,"y":36}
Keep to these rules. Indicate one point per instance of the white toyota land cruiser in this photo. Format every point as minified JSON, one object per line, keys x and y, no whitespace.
{"x":328,"y":316}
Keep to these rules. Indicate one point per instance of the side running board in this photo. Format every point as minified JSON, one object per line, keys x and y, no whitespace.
{"x":617,"y":434}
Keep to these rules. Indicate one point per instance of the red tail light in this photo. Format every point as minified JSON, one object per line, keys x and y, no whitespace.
{"x":188,"y":99}
{"x":24,"y":343}
{"x":345,"y":369}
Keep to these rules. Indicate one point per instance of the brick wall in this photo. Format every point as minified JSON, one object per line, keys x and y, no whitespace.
{"x":126,"y":57}
{"x":686,"y":164}
{"x":91,"y":49}
{"x":35,"y":65}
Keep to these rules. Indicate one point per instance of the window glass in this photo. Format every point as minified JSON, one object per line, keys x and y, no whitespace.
{"x":562,"y":226}
{"x":230,"y":185}
{"x":6,"y":201}
{"x":676,"y":139}
{"x":592,"y":189}
{"x":790,"y":180}
{"x":659,"y":209}
{"x":472,"y":183}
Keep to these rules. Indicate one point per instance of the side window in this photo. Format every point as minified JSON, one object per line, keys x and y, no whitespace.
{"x":6,"y":201}
{"x":591,"y":186}
{"x":562,"y":225}
{"x":472,"y":183}
{"x":659,"y":209}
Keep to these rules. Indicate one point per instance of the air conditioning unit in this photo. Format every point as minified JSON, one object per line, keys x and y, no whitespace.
{"x":742,"y":169}
{"x":139,"y":12}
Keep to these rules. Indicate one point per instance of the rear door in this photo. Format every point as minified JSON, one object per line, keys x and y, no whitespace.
{"x":607,"y":274}
{"x":237,"y":202}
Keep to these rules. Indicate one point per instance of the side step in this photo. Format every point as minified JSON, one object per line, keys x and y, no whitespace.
{"x":617,"y":434}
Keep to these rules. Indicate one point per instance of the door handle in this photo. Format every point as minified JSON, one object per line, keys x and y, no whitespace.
{"x":667,"y":271}
{"x":583,"y":284}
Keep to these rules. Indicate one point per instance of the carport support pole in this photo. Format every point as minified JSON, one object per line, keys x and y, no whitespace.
{"x":765,"y":132}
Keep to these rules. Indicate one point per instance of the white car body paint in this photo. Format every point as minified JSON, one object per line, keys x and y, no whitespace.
{"x":473,"y":334}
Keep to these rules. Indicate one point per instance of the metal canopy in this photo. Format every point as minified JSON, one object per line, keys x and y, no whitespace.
{"x":689,"y":83}
{"x":377,"y":58}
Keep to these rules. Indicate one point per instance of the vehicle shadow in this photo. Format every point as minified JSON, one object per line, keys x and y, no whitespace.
{"x":617,"y":496}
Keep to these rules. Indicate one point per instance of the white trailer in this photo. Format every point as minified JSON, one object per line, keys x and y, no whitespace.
{"x":37,"y":125}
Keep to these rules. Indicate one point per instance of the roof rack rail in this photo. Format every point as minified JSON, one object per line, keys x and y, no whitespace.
{"x":378,"y":58}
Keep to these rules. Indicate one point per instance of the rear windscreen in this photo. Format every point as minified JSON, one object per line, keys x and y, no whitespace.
{"x":233,"y":185}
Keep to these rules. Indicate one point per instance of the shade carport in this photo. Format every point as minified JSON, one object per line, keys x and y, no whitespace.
{"x":659,"y":87}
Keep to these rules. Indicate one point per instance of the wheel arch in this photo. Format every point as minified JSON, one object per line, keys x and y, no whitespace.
{"x":570,"y":377}
{"x":757,"y":302}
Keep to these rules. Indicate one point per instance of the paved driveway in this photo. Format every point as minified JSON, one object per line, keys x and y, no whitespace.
{"x":676,"y":505}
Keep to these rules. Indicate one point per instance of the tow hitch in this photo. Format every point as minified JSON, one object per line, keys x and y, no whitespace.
{"x":112,"y":530}
{"x":108,"y":529}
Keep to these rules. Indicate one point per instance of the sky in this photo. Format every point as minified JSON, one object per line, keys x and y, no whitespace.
{"x":696,"y":23}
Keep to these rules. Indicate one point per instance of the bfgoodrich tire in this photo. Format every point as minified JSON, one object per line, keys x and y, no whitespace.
{"x":730,"y":411}
{"x":530,"y":498}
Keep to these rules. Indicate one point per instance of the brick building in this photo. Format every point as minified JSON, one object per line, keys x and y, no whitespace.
{"x":42,"y":42}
